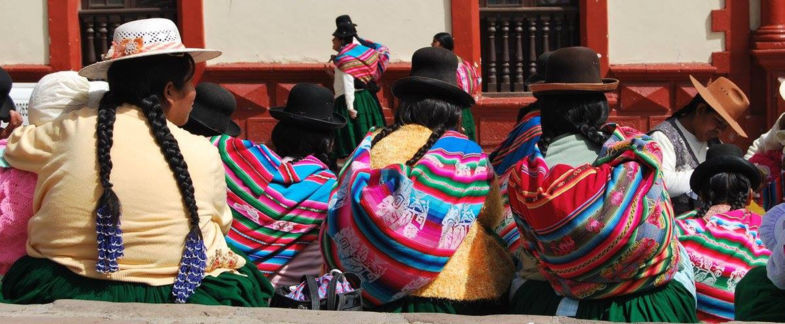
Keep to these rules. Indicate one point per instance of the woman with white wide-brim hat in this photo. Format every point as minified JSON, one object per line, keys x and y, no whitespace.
{"x":129,"y":207}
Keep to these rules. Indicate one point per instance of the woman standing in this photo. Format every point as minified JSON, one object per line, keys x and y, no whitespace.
{"x":721,"y":237}
{"x":468,"y":79}
{"x":416,"y":205}
{"x":592,"y":208}
{"x":129,"y":207}
{"x":359,"y":66}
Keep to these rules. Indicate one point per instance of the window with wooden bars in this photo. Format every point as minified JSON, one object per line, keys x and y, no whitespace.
{"x":515,"y":32}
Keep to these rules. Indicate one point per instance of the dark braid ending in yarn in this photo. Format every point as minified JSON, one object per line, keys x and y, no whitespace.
{"x":142,"y":82}
{"x":194,"y":259}
{"x":109,"y":238}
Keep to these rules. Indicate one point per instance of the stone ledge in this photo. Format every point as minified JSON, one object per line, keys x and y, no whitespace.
{"x":88,"y":312}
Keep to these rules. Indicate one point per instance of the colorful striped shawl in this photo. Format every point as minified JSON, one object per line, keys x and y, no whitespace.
{"x":518,"y":145}
{"x":398,"y":226}
{"x":598,"y":231}
{"x":468,"y":78}
{"x":277,"y":207}
{"x":722,"y":250}
{"x":366,"y":61}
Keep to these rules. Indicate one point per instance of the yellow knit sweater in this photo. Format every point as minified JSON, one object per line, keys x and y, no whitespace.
{"x":154,"y":220}
{"x":481,"y":268}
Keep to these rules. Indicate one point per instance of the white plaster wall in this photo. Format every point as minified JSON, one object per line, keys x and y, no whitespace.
{"x":25,"y":32}
{"x":285,"y":31}
{"x":662,"y":31}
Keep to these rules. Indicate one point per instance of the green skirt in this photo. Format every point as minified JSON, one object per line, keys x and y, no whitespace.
{"x":670,"y":303}
{"x":467,"y":122}
{"x":758,"y":299}
{"x":369,"y":114}
{"x":412,"y":304}
{"x":39,"y":281}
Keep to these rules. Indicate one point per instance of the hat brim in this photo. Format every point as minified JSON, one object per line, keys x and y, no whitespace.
{"x":337,"y":121}
{"x":608,"y":84}
{"x":433,"y":88}
{"x":232,"y":129}
{"x":97,"y":70}
{"x":200,"y":114}
{"x":716,"y":106}
{"x":724,"y":164}
{"x":5,"y":110}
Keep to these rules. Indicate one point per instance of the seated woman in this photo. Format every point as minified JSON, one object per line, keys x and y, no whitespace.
{"x":278,"y":198}
{"x":129,"y":207}
{"x":760,"y":295}
{"x":55,"y":94}
{"x":721,"y":237}
{"x":416,"y":204}
{"x":592,"y":209}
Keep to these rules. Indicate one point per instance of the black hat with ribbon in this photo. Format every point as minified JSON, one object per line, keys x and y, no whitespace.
{"x":724,"y":158}
{"x":433,"y":75}
{"x":212,"y":111}
{"x":344,"y":27}
{"x":309,"y":105}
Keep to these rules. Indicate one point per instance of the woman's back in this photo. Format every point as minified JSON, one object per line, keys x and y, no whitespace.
{"x":154,"y":221}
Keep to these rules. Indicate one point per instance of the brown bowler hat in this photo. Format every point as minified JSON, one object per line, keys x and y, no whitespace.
{"x":574,"y":69}
{"x":726,"y":99}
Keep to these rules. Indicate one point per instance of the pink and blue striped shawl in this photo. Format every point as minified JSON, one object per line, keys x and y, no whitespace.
{"x":397,"y":226}
{"x":366,"y":61}
{"x":277,"y":207}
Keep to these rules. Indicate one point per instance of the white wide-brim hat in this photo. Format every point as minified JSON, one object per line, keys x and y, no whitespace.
{"x":145,"y":37}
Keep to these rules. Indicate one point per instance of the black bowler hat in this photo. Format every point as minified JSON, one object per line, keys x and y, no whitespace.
{"x":433,"y":75}
{"x":344,"y":27}
{"x":309,"y":105}
{"x":5,"y":98}
{"x":724,"y":158}
{"x":212,"y":111}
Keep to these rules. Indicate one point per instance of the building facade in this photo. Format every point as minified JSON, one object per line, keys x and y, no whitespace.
{"x":269,"y":45}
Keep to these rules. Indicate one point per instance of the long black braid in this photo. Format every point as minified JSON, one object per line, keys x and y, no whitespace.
{"x":108,"y":208}
{"x":724,"y":188}
{"x":142,"y":82}
{"x":579,"y":113}
{"x":436,"y":114}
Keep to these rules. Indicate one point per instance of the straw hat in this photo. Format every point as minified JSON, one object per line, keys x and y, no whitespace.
{"x":726,"y":99}
{"x":142,"y":38}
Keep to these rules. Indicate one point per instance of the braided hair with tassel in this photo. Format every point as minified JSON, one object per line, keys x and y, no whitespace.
{"x":142,"y":82}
